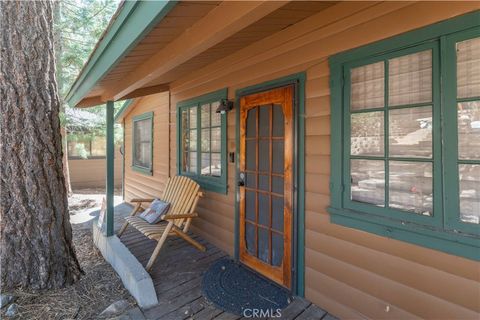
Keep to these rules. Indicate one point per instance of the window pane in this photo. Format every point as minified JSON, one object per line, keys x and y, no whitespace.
{"x":410,"y":79}
{"x":205,"y":139}
{"x":277,"y":249}
{"x":277,"y":213}
{"x":264,"y":182}
{"x":469,"y":175}
{"x":277,"y":184}
{"x":184,"y":119}
{"x":368,"y":181}
{"x":142,"y":132}
{"x":263,"y":209}
{"x":410,"y":186}
{"x":278,"y":121}
{"x":205,"y":169}
{"x":205,"y":115}
{"x":264,"y":121}
{"x":192,"y":162}
{"x":263,"y":252}
{"x":469,"y":130}
{"x":410,"y":132}
{"x":193,"y":117}
{"x":468,"y":68}
{"x":278,"y":154}
{"x":251,"y":123}
{"x":250,"y":238}
{"x":367,"y":134}
{"x":185,"y":139}
{"x":216,"y":140}
{"x":251,"y":155}
{"x":142,"y":155}
{"x":216,"y":165}
{"x":192,"y":143}
{"x":251,"y":180}
{"x":264,"y":156}
{"x":250,"y":199}
{"x":216,"y":117}
{"x":367,"y":86}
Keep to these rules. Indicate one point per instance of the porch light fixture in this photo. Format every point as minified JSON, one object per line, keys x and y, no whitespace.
{"x":225,"y":106}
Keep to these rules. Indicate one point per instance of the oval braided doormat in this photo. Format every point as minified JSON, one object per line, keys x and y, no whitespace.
{"x":233,"y":288}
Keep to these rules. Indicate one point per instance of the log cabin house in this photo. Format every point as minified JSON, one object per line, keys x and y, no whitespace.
{"x":337,"y":143}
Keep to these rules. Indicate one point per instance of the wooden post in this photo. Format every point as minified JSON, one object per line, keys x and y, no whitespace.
{"x":110,"y":171}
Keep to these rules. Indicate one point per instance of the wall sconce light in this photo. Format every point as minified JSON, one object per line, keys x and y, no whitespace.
{"x":225,"y":106}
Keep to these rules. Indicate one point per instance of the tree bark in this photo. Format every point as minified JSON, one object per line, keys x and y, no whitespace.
{"x":36,"y":235}
{"x":57,"y":16}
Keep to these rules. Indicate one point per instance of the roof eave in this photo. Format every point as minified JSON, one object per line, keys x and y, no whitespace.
{"x":133,"y":22}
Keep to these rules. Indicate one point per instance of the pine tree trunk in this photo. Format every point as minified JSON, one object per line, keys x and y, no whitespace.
{"x":36,"y":235}
{"x":57,"y":13}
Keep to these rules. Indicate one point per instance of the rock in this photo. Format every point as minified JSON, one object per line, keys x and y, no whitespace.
{"x":6,"y":299}
{"x":115,"y":309}
{"x":12,"y":310}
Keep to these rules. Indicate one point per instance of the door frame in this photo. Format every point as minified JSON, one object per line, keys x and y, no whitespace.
{"x":298,"y":208}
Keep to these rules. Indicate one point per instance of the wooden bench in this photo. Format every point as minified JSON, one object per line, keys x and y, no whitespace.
{"x":183,"y":194}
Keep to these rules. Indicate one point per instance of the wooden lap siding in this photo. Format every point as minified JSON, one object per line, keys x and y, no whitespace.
{"x":90,"y":173}
{"x":350,"y":273}
{"x":137,"y":184}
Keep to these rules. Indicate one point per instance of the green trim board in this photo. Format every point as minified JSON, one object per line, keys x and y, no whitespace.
{"x":215,"y":184}
{"x":124,"y":109}
{"x":444,"y":231}
{"x":136,"y":167}
{"x":298,"y":80}
{"x":453,"y":162}
{"x":109,"y":230}
{"x":134,"y":20}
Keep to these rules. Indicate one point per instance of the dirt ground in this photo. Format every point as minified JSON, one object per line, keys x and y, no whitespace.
{"x":97,"y":289}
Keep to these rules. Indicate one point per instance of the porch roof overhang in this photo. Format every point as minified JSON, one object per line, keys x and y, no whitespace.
{"x":130,"y":23}
{"x":150,"y":44}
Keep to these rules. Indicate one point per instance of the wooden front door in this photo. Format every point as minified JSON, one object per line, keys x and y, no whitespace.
{"x":266,"y":154}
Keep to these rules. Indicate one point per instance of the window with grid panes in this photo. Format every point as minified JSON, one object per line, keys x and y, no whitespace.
{"x":142,"y":159}
{"x":203,"y":141}
{"x":410,"y":142}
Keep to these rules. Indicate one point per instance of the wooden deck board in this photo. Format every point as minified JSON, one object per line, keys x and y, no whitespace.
{"x":177,"y":278}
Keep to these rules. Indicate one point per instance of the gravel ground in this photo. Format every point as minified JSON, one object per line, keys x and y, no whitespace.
{"x":96,"y":290}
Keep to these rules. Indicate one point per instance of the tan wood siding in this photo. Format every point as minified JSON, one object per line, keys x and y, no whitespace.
{"x":140,"y":185}
{"x":91,"y":173}
{"x":351,"y":273}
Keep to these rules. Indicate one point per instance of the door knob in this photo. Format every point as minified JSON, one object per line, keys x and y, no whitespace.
{"x":241,"y":179}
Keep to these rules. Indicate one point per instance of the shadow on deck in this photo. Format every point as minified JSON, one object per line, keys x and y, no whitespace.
{"x":177,"y":277}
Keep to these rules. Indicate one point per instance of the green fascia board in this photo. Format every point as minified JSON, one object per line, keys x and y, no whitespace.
{"x":123,"y":110}
{"x":134,"y":21}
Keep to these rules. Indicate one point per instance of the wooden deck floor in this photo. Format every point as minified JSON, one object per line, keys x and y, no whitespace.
{"x":177,"y":276}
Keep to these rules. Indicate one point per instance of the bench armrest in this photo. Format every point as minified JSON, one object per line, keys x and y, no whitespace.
{"x":179,"y":216}
{"x":141,"y":200}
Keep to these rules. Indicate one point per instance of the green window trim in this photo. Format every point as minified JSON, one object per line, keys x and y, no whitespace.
{"x":135,"y":167}
{"x":210,"y":183}
{"x":443,"y":231}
